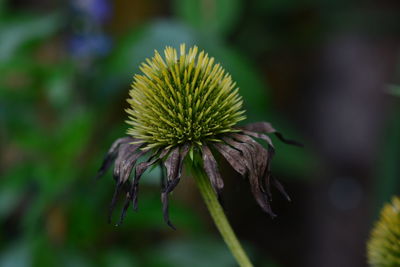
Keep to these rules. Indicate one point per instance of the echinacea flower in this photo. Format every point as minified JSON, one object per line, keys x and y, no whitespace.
{"x":185,"y":104}
{"x":384,"y":245}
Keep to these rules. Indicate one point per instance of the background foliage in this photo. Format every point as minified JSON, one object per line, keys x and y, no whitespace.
{"x":325,"y":73}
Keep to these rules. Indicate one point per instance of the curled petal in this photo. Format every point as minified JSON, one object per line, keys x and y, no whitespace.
{"x":133,"y":191}
{"x":256,"y":157}
{"x":173,"y":164}
{"x":259,"y":154}
{"x":114,"y":200}
{"x":280,"y":188}
{"x":126,"y":154}
{"x":211,"y":168}
{"x":260,"y":136}
{"x":266,"y":127}
{"x":128,"y":164}
{"x":111,"y":154}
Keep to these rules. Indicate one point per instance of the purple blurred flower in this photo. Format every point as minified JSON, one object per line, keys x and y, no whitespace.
{"x":98,"y":10}
{"x":89,"y":45}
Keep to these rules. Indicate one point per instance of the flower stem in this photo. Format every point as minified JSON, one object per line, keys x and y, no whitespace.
{"x":220,"y":220}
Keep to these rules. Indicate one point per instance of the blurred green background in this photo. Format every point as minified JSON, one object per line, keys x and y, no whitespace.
{"x":323,"y":72}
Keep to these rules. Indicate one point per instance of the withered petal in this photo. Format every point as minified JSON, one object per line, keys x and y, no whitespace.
{"x":165,"y":208}
{"x":257,"y":158}
{"x":139,"y":170}
{"x":133,"y":191}
{"x":210,"y":166}
{"x":173,"y":164}
{"x":128,"y":153}
{"x":260,"y":136}
{"x":258,"y":153}
{"x":280,"y":188}
{"x":266,"y":127}
{"x":111,"y":155}
{"x":113,"y":201}
{"x":233,"y":157}
{"x":261,"y":127}
{"x":260,"y":196}
{"x":128,"y":164}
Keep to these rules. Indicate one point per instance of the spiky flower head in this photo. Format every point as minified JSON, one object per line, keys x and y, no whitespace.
{"x":384,"y":244}
{"x":183,"y":98}
{"x":183,"y":103}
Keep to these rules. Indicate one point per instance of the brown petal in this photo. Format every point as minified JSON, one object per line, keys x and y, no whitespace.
{"x":211,"y":168}
{"x":260,"y":196}
{"x":257,"y":158}
{"x":233,"y":157}
{"x":111,"y":154}
{"x":139,"y":170}
{"x":126,"y":154}
{"x":173,"y":164}
{"x":261,"y":127}
{"x":260,"y":136}
{"x":133,"y":191}
{"x":128,"y":164}
{"x":113,"y":201}
{"x":258,"y":153}
{"x":266,"y":127}
{"x":280,"y":188}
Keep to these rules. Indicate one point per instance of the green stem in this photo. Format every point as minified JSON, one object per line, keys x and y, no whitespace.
{"x":220,"y":220}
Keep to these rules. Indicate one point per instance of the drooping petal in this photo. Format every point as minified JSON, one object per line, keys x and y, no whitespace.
{"x":233,"y":157}
{"x":112,"y":154}
{"x":259,"y":154}
{"x":260,"y":136}
{"x":280,"y":187}
{"x":255,"y":156}
{"x":173,"y":164}
{"x":127,"y":153}
{"x":266,"y":127}
{"x":139,"y":170}
{"x":211,"y":168}
{"x":133,"y":191}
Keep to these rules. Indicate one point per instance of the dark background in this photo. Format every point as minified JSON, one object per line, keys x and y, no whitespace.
{"x":326,"y":73}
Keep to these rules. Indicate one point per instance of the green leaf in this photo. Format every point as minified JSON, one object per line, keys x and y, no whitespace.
{"x":19,"y":31}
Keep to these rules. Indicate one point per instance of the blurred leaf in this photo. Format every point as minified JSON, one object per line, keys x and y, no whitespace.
{"x":8,"y":200}
{"x":138,"y":45}
{"x":248,"y":79}
{"x":59,"y":86}
{"x":198,"y":252}
{"x":394,"y":90}
{"x":20,"y":31}
{"x":215,"y":17}
{"x":387,"y":176}
{"x":119,"y":258}
{"x":19,"y":254}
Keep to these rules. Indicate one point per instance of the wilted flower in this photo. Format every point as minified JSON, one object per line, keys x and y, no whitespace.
{"x":384,"y":245}
{"x":186,"y":104}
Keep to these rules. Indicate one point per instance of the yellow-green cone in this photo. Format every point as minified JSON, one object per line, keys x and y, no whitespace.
{"x":182,"y":98}
{"x":384,"y":245}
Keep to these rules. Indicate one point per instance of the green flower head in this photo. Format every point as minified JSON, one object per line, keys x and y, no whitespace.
{"x":184,"y":98}
{"x":384,"y":245}
{"x":186,"y":103}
